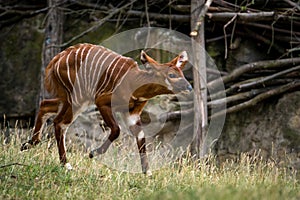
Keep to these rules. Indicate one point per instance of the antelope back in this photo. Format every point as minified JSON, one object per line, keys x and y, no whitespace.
{"x":81,"y":72}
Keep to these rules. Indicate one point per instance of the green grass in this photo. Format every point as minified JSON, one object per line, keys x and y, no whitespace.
{"x":36,"y":174}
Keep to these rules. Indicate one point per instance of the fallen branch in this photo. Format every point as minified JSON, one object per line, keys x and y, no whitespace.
{"x":258,"y":98}
{"x":291,"y":3}
{"x":232,"y":6}
{"x":28,"y":12}
{"x":235,"y":87}
{"x":269,"y":27}
{"x":234,"y":98}
{"x":168,"y":116}
{"x":264,"y":79}
{"x":11,"y":164}
{"x":215,"y":71}
{"x":249,"y":17}
{"x":269,"y":64}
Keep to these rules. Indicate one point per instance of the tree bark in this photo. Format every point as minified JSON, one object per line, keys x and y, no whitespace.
{"x":199,"y":77}
{"x":53,"y":38}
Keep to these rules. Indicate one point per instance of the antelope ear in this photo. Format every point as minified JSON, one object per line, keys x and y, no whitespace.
{"x":144,"y":56}
{"x":182,"y":59}
{"x":147,"y":61}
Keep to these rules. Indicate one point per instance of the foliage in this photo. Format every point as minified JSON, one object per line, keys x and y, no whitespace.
{"x":36,"y":174}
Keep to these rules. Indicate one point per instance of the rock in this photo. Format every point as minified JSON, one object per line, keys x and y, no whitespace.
{"x":272,"y":127}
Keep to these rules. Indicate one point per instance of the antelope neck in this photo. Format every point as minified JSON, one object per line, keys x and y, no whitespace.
{"x":145,"y":81}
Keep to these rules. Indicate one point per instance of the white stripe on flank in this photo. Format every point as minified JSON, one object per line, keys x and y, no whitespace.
{"x":74,"y":99}
{"x":97,"y":73}
{"x":68,"y":70}
{"x":109,"y":76}
{"x":96,"y":69}
{"x":92,"y":69}
{"x":80,"y":73}
{"x":57,"y":65}
{"x":86,"y":77}
{"x":121,"y":79}
{"x":116,"y":77}
{"x":106,"y":70}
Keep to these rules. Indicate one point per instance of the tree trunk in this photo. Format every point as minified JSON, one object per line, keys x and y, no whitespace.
{"x":53,"y":37}
{"x":199,"y":75}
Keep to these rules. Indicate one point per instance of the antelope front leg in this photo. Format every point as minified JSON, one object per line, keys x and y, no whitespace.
{"x":137,"y":131}
{"x":108,"y":118}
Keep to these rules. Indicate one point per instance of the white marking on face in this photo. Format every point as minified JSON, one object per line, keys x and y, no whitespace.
{"x":179,"y":63}
{"x":182,"y":58}
{"x":133,"y":119}
{"x":168,"y":84}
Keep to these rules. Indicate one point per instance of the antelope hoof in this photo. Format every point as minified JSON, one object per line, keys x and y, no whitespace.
{"x":91,"y":155}
{"x":148,"y":173}
{"x":96,"y":152}
{"x":68,"y":167}
{"x":26,"y":146}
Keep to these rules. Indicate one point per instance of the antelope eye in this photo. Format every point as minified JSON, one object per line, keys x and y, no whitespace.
{"x":172,"y":76}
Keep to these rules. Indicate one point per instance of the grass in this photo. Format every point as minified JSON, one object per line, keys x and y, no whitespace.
{"x":36,"y":174}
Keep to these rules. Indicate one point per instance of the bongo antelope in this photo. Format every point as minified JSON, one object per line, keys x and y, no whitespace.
{"x":87,"y":74}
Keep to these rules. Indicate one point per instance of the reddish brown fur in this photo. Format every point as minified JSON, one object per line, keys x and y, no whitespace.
{"x":119,"y":85}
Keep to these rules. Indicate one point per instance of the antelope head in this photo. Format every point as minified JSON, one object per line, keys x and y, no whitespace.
{"x":168,"y":74}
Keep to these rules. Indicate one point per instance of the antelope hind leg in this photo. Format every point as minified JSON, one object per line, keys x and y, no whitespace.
{"x":48,"y":108}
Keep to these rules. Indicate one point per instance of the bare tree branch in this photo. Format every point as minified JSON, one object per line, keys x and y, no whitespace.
{"x":225,"y":16}
{"x":269,"y":64}
{"x":293,"y":4}
{"x":225,"y":35}
{"x":168,"y":116}
{"x":158,"y":16}
{"x":97,"y":25}
{"x":234,"y":98}
{"x":264,"y":79}
{"x":258,"y":98}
